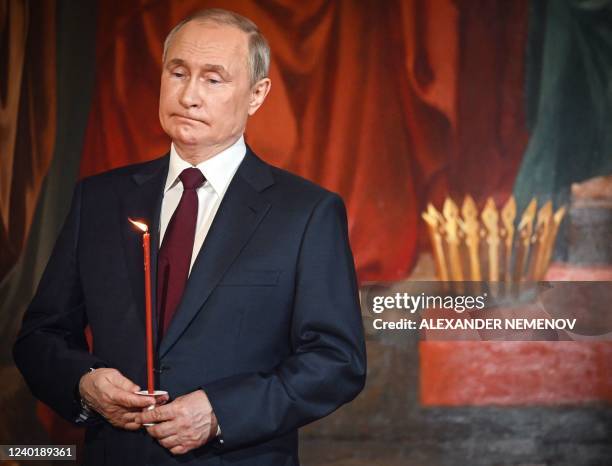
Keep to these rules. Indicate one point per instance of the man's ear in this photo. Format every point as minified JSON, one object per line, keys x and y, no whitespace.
{"x":259,"y":91}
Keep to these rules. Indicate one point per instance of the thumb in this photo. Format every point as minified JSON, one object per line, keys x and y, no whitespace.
{"x":131,"y":400}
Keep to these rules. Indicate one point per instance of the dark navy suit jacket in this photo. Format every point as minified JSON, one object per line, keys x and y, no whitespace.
{"x":269,"y":324}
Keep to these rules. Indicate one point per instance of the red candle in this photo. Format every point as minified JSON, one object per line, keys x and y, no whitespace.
{"x":146,"y":244}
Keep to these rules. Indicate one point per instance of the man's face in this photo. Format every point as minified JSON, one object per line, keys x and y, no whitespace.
{"x":206,"y":95}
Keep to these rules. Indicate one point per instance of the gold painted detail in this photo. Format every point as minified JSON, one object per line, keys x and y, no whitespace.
{"x":494,"y":244}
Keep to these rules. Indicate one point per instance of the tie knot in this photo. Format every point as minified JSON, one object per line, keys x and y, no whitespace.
{"x":192,"y":178}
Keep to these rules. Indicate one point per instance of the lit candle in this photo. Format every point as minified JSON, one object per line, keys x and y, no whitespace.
{"x":146,"y":244}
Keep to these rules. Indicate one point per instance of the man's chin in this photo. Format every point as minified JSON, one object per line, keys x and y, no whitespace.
{"x":188,"y":137}
{"x":187,"y":143}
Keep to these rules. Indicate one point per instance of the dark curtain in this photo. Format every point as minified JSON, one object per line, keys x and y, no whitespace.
{"x":27,"y":117}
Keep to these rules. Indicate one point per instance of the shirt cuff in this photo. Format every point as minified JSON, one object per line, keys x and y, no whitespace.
{"x":219,"y":434}
{"x":85,"y":414}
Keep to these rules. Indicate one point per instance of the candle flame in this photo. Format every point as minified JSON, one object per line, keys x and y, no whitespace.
{"x":140,"y":225}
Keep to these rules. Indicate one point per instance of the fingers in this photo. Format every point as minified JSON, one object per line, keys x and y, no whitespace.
{"x":112,"y":395}
{"x":168,"y":437}
{"x":159,"y":414}
{"x":131,"y":426}
{"x":170,"y":442}
{"x":175,"y":444}
{"x":129,"y":421}
{"x":130,"y":400}
{"x":163,"y":430}
{"x":120,"y":381}
{"x":121,"y":418}
{"x":179,"y":450}
{"x":106,"y":386}
{"x":183,"y":424}
{"x":162,"y":399}
{"x":124,"y":391}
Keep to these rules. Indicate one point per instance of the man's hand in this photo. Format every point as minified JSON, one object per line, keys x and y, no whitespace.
{"x":112,"y":395}
{"x":183,"y":424}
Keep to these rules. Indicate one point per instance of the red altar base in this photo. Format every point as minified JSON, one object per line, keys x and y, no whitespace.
{"x":463,"y":373}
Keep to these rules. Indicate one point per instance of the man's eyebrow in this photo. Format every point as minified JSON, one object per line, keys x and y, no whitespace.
{"x":207,"y":67}
{"x":175,"y":61}
{"x":217,"y":69}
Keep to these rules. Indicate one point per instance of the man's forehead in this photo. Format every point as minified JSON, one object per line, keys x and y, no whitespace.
{"x":209,"y":38}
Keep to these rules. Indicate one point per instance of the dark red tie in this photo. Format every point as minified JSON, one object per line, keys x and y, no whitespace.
{"x":174,"y":256}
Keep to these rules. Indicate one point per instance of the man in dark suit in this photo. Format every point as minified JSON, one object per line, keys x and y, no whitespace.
{"x":258,"y":322}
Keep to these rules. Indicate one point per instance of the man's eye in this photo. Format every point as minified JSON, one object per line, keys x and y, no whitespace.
{"x":176,"y":74}
{"x":213,"y":81}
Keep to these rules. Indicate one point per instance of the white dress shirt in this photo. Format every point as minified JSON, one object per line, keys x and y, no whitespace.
{"x":218,"y":171}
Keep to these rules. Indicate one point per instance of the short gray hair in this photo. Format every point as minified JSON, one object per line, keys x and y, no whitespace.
{"x":259,"y":50}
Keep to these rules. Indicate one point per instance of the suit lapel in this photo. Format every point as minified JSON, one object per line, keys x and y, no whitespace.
{"x":143,"y":202}
{"x":239,"y":214}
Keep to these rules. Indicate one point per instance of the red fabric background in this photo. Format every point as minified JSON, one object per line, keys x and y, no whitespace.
{"x":391,"y":104}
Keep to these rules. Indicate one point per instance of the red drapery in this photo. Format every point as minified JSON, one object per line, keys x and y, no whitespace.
{"x":391,"y":104}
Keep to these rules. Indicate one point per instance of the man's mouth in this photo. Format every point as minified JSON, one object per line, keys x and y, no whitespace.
{"x":184,"y":117}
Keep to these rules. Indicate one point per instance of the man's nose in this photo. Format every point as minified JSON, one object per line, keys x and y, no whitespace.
{"x":190,"y":95}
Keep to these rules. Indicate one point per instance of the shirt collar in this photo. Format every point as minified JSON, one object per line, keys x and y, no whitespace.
{"x":218,"y":169}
